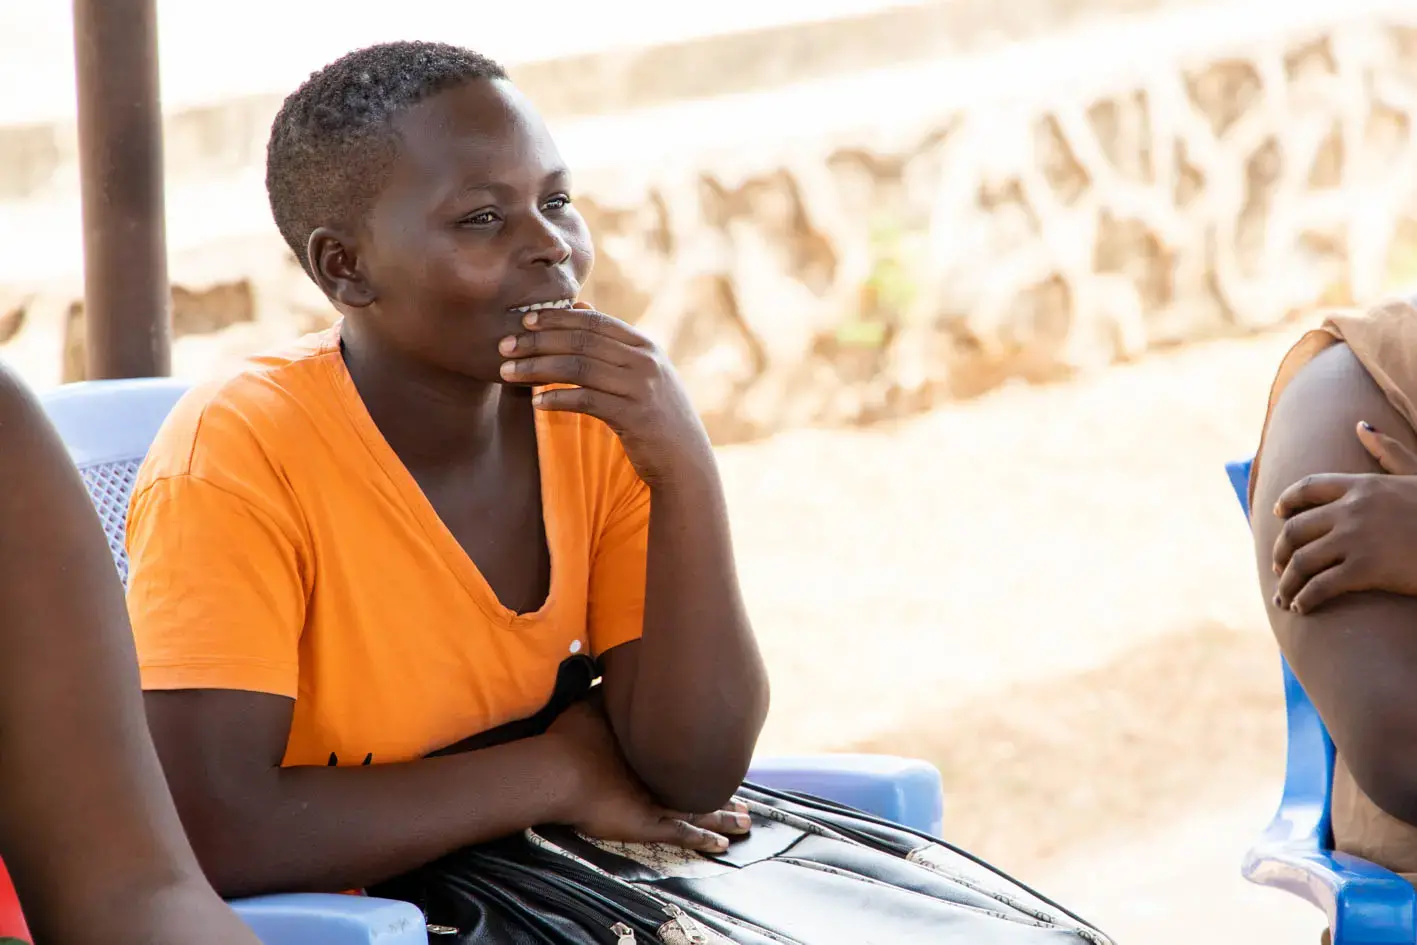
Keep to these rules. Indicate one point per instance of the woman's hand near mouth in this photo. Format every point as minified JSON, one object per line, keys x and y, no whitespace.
{"x":620,"y":377}
{"x":687,"y":700}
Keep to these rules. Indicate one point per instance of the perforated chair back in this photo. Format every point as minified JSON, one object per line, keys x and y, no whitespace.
{"x":107,"y":427}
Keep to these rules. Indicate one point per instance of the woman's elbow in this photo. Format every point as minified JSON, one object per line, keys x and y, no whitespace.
{"x":700,"y":793}
{"x":699,"y":781}
{"x":698,"y":765}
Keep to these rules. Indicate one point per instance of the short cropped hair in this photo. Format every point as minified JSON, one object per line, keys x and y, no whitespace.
{"x":333,"y":141}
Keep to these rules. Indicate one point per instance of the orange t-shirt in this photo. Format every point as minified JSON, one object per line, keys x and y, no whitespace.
{"x":277,"y":544}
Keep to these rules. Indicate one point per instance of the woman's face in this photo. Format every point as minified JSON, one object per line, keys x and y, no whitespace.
{"x":474,"y":224}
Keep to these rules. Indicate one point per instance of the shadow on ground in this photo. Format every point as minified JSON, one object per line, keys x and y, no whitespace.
{"x":1183,"y":722}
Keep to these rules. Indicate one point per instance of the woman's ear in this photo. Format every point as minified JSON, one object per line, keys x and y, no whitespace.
{"x":334,"y":263}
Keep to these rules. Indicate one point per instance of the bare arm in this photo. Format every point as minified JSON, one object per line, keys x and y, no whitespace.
{"x":87,"y":827}
{"x":258,"y":827}
{"x":689,"y":698}
{"x":1357,"y":655}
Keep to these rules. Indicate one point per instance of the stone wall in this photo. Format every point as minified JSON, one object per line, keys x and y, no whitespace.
{"x":1205,"y":175}
{"x":868,"y":244}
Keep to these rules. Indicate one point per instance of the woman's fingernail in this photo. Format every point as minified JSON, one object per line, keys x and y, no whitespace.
{"x":1278,"y":569}
{"x":507,"y":345}
{"x":1368,"y":426}
{"x":530,"y":320}
{"x":1295,"y":607}
{"x":509,"y":368}
{"x":742,"y":821}
{"x":1277,"y":602}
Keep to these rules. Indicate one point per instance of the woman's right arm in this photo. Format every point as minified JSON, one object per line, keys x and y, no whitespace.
{"x":219,"y":577}
{"x":258,"y":827}
{"x":1357,"y":655}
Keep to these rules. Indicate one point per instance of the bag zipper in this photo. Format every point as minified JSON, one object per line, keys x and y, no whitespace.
{"x":747,"y":926}
{"x":581,"y":873}
{"x":567,"y":864}
{"x":571,"y":898}
{"x":694,"y":933}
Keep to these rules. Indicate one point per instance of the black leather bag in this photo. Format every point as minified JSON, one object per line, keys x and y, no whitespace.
{"x":810,"y":873}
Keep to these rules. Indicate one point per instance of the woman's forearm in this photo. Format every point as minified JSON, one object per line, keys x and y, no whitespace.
{"x":331,"y":829}
{"x":699,"y":693}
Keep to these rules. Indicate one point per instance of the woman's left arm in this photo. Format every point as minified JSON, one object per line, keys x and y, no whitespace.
{"x":689,"y":697}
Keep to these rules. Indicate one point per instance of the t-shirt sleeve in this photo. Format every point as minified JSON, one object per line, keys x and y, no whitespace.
{"x":216,"y":594}
{"x":617,"y":577}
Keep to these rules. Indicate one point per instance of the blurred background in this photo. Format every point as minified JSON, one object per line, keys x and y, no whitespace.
{"x":976,"y":300}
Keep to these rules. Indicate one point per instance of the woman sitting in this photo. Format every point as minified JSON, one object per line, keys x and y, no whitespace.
{"x":387,"y":539}
{"x":1336,"y":540}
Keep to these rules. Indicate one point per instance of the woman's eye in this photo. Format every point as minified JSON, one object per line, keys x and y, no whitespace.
{"x":558,"y":202}
{"x":480,"y":218}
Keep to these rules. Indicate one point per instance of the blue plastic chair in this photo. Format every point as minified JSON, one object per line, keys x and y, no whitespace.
{"x":1365,"y":903}
{"x":107,"y":427}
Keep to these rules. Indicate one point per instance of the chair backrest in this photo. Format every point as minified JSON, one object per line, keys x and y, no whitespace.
{"x":1308,"y":768}
{"x":107,"y":427}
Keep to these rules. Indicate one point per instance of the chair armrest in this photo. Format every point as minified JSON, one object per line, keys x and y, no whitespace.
{"x":331,"y":919}
{"x":1365,"y":903}
{"x":906,"y":791}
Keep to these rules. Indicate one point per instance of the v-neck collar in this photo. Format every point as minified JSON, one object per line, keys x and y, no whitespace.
{"x":422,"y":509}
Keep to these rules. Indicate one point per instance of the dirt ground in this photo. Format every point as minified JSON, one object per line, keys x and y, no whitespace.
{"x":1049,"y":593}
{"x":995,"y":581}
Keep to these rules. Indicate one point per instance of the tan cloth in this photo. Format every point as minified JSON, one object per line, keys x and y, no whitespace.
{"x":1385,"y":342}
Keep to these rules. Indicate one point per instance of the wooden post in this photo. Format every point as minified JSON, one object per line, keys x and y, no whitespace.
{"x":126,"y":297}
